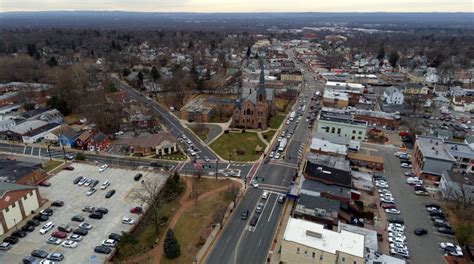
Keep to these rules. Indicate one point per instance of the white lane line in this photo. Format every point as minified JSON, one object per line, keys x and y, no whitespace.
{"x":259,"y":242}
{"x":270,"y":216}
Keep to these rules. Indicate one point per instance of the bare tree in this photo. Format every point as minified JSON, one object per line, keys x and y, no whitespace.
{"x":194,"y":194}
{"x":218,"y":215}
{"x":232,"y":192}
{"x":148,"y":195}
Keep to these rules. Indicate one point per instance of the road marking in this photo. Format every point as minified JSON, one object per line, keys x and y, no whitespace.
{"x":270,"y":216}
{"x":259,"y":242}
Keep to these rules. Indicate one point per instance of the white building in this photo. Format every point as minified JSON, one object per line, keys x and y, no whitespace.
{"x":392,"y":95}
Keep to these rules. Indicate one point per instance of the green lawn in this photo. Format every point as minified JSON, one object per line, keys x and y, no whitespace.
{"x":207,"y":184}
{"x":276,"y":121}
{"x":243,"y":143}
{"x":200,"y":130}
{"x":51,"y":164}
{"x":269,"y":135}
{"x":197,"y":219}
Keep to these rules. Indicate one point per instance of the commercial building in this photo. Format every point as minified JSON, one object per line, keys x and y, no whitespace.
{"x":457,"y":186}
{"x":16,"y":203}
{"x":326,"y":147}
{"x":366,"y":161}
{"x":431,"y":157}
{"x":343,"y":125}
{"x":317,"y":209}
{"x":307,"y":242}
{"x":335,"y":99}
{"x":162,"y":143}
{"x":21,"y":172}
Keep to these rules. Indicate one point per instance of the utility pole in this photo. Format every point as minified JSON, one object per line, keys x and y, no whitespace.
{"x":217,"y":163}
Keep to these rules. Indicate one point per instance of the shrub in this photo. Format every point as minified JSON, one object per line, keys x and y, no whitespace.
{"x":80,"y":156}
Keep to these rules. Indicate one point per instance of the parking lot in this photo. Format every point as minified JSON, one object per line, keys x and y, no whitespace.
{"x":75,"y":198}
{"x":423,"y":249}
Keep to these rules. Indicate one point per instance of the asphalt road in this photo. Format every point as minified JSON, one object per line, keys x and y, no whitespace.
{"x":423,"y":249}
{"x":165,"y":117}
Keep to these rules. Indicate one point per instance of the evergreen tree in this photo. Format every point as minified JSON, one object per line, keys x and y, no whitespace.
{"x":381,"y":54}
{"x":140,"y":76}
{"x":256,"y":56}
{"x":52,"y":62}
{"x":171,"y":245}
{"x":31,"y":49}
{"x":393,"y":59}
{"x":155,"y":74}
{"x":249,"y":51}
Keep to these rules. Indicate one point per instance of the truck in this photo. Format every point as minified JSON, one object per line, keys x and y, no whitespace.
{"x":292,"y":116}
{"x":282,"y":145}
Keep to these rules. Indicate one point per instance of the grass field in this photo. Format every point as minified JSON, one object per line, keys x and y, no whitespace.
{"x":284,"y":105}
{"x":192,"y":225}
{"x":269,"y":135}
{"x":51,"y":164}
{"x":276,"y":121}
{"x":244,"y":143}
{"x":200,"y":130}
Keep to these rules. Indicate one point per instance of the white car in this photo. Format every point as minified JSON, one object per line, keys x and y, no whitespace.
{"x":45,"y":261}
{"x":387,"y":200}
{"x":288,"y":121}
{"x":381,"y":184}
{"x":271,"y":154}
{"x":277,"y":155}
{"x":69,"y":244}
{"x":54,"y":241}
{"x":128,"y":221}
{"x":398,"y":245}
{"x":103,"y":168}
{"x":104,"y":185}
{"x":265,"y":195}
{"x":397,"y":234}
{"x":255,"y":184}
{"x":119,"y":133}
{"x":434,"y":209}
{"x":396,"y":225}
{"x":91,"y":191}
{"x":443,"y":245}
{"x":48,"y":226}
{"x":109,"y":243}
{"x":206,"y":159}
{"x":75,"y":237}
{"x":392,"y":211}
{"x":400,"y":252}
{"x":405,"y":165}
{"x":82,"y":181}
{"x":85,"y":225}
{"x":395,"y":240}
{"x":453,"y":250}
{"x":392,"y":229}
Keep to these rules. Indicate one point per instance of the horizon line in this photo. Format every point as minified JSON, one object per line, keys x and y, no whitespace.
{"x":239,"y":12}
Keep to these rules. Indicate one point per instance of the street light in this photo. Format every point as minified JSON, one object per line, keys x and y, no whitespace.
{"x":14,"y":220}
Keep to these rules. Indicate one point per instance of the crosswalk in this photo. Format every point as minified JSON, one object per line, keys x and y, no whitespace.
{"x":301,"y":150}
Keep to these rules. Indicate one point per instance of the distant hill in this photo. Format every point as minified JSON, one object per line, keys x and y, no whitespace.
{"x":117,"y":19}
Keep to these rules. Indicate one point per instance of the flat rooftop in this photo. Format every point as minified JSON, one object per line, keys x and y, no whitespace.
{"x":460,"y":150}
{"x":341,"y":118}
{"x":315,"y":236}
{"x":327,"y":146}
{"x":330,"y":94}
{"x":336,"y":162}
{"x":434,"y":148}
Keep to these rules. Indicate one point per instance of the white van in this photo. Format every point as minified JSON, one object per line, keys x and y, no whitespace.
{"x":104,"y":185}
{"x":414,"y":180}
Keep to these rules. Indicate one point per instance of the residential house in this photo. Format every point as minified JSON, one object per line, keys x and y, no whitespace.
{"x":308,"y":242}
{"x":317,"y":209}
{"x":441,"y":90}
{"x":457,"y":186}
{"x":343,"y":125}
{"x":463,"y":104}
{"x":63,"y":136}
{"x":16,"y":203}
{"x":392,"y":77}
{"x":82,"y":139}
{"x":52,"y":116}
{"x":162,"y":143}
{"x":38,"y":134}
{"x":35,"y":113}
{"x":97,"y":142}
{"x":7,"y":109}
{"x":431,"y":157}
{"x":21,"y":172}
{"x":16,"y":132}
{"x":392,"y":95}
{"x":415,"y":89}
{"x":441,"y":101}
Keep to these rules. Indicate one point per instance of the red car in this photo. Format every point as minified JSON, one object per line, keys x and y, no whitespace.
{"x":11,"y":158}
{"x":388,"y":206}
{"x":59,"y":234}
{"x":136,"y":210}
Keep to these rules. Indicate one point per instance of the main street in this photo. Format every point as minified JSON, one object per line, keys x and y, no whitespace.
{"x":241,"y":243}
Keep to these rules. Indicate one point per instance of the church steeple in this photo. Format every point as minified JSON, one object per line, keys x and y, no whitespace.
{"x":261,"y":92}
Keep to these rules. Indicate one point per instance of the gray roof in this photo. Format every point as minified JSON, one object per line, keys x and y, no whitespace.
{"x":317,"y":202}
{"x":434,"y":148}
{"x":443,"y":133}
{"x":370,"y":236}
{"x":336,"y":162}
{"x":341,"y":118}
{"x":253,"y":96}
{"x":7,"y":186}
{"x":312,"y":186}
{"x":460,"y":150}
{"x":391,"y":90}
{"x":13,"y":170}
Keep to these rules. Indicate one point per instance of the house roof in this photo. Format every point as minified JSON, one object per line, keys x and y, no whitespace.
{"x":328,"y":175}
{"x":67,"y":131}
{"x":42,"y":129}
{"x":8,"y":186}
{"x":84,"y":136}
{"x":34,"y":112}
{"x":149,"y":141}
{"x":27,"y":126}
{"x":309,"y":186}
{"x":391,"y":90}
{"x":12,"y":192}
{"x":13,"y":170}
{"x":99,"y":137}
{"x":318,"y":202}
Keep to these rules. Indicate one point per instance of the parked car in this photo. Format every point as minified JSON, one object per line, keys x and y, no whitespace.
{"x":69,"y":244}
{"x":400,"y":252}
{"x":41,"y":218}
{"x":138,"y":176}
{"x":69,"y":168}
{"x":38,"y":253}
{"x":55,"y":257}
{"x":57,"y":203}
{"x":48,"y":226}
{"x":54,"y":241}
{"x":91,"y":191}
{"x":136,"y":210}
{"x":453,"y":251}
{"x":5,"y":246}
{"x":104,"y":185}
{"x":19,"y":234}
{"x":85,"y":226}
{"x":29,"y":260}
{"x":28,"y":228}
{"x":101,"y":210}
{"x":420,"y":231}
{"x":128,"y":220}
{"x":115,"y":236}
{"x":33,"y":222}
{"x":103,"y":168}
{"x":78,"y":179}
{"x":82,"y":181}
{"x":70,"y":156}
{"x":94,"y":183}
{"x":392,"y":211}
{"x":109,"y":243}
{"x":47,"y":211}
{"x":12,"y":240}
{"x":59,"y":234}
{"x":88,"y":209}
{"x":255,"y":183}
{"x":75,"y":237}
{"x":102,"y":250}
{"x":96,"y":215}
{"x":446,"y":230}
{"x":80,"y":231}
{"x":77,"y":218}
{"x":110,"y":193}
{"x":405,"y":165}
{"x":65,"y":228}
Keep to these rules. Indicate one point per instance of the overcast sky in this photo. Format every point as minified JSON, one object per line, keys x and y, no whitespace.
{"x":242,"y":5}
